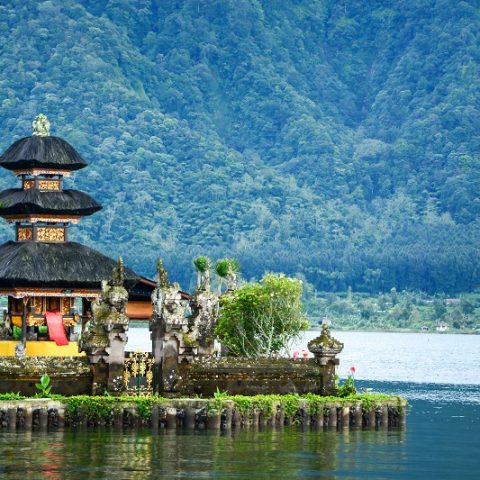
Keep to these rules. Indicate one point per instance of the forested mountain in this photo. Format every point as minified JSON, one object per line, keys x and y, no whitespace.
{"x":337,"y":140}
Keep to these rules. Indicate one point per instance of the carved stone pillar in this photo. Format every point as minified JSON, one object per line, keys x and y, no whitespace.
{"x":204,"y":305}
{"x":176,"y":342}
{"x":325,"y":348}
{"x":106,"y":338}
{"x":177,"y":338}
{"x":157,"y":326}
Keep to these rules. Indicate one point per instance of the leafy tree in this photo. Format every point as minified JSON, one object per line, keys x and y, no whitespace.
{"x":261,"y":318}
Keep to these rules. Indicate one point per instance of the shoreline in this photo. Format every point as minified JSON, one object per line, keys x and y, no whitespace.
{"x":397,"y":330}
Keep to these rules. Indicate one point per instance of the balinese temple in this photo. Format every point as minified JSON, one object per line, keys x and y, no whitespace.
{"x":49,"y":280}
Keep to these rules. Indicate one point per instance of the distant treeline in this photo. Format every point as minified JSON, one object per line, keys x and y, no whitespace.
{"x":394,"y":311}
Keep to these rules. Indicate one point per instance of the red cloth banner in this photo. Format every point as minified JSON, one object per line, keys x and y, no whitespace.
{"x":56,"y":330}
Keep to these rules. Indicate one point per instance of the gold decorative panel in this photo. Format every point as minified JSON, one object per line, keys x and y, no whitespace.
{"x":50,"y":234}
{"x":38,"y":304}
{"x":138,"y":373}
{"x":49,"y":184}
{"x":28,"y":184}
{"x":24,"y":234}
{"x":66,"y":304}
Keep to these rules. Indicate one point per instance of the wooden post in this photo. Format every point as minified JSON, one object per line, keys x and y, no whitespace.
{"x":155,"y":417}
{"x":24,"y":323}
{"x":12,"y":418}
{"x":372,"y":417}
{"x":28,"y":418}
{"x":236,"y":418}
{"x":345,"y":417}
{"x":213,"y":420}
{"x":61,"y":417}
{"x":171,"y":417}
{"x":228,"y":418}
{"x":21,"y":348}
{"x":384,"y":416}
{"x":43,"y":418}
{"x":189,"y":418}
{"x":358,"y":416}
{"x":332,"y":416}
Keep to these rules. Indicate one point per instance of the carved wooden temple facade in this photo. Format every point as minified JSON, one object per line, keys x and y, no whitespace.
{"x":42,"y":272}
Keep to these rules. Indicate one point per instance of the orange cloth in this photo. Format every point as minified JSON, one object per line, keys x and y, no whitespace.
{"x":56,"y":330}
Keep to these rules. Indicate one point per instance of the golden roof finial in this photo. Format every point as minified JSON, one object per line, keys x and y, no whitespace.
{"x":41,"y":126}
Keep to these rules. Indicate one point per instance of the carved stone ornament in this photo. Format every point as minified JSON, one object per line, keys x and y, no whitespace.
{"x":204,"y":317}
{"x":162,"y":275}
{"x":41,"y":126}
{"x":325,"y":347}
{"x":231,"y":280}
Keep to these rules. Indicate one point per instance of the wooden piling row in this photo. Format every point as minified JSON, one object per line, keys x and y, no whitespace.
{"x":191,"y":414}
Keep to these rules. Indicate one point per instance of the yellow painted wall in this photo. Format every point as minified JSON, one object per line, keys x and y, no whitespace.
{"x":41,"y":349}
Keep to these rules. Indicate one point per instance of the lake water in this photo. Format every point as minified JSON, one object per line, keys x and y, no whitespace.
{"x":437,"y":373}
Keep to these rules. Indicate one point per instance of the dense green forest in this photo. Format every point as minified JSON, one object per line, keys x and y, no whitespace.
{"x":334,"y":140}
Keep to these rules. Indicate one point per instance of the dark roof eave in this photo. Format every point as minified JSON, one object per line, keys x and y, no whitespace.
{"x":74,"y":202}
{"x":30,"y":164}
{"x":47,"y":152}
{"x":32,"y":209}
{"x":56,"y":265}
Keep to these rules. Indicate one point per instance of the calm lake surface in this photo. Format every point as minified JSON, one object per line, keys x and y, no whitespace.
{"x":439,"y":374}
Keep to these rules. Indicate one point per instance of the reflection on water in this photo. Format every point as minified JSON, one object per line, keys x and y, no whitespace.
{"x":288,"y":453}
{"x":440,"y":379}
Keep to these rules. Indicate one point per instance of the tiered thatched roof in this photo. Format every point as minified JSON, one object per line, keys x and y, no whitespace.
{"x":41,"y":152}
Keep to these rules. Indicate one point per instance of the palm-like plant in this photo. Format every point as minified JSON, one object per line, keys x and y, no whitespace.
{"x":202,"y":264}
{"x":226,"y":269}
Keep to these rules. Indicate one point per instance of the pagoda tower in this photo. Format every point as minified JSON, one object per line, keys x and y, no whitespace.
{"x":42,"y":272}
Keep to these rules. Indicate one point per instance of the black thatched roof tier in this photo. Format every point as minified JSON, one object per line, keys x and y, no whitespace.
{"x":42,"y":152}
{"x":63,"y":265}
{"x":33,"y":201}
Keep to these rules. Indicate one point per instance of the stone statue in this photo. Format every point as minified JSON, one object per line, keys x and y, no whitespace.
{"x":174,"y":307}
{"x":231,"y":280}
{"x":204,"y":305}
{"x":158,"y":295}
{"x":41,"y":126}
{"x":162,"y":275}
{"x":118,"y":274}
{"x":205,"y":280}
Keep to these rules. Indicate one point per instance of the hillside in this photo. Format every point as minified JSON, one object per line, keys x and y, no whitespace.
{"x":334,"y":140}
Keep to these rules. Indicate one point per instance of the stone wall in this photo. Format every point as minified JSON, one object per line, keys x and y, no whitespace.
{"x":243,"y":376}
{"x":69,"y":375}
